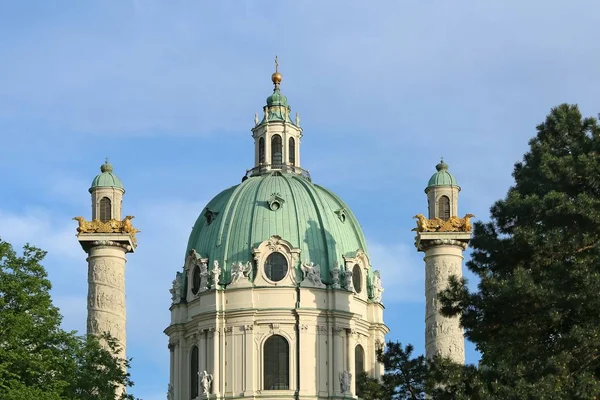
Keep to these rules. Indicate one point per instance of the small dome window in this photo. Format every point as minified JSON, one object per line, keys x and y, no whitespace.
{"x":261,"y":150}
{"x":276,"y":151}
{"x":341,"y":213}
{"x":292,"y":151}
{"x":444,"y":208}
{"x":210,"y":216}
{"x":275,"y":201}
{"x":357,"y":278}
{"x":276,"y":267}
{"x":105,"y":209}
{"x":196,"y":279}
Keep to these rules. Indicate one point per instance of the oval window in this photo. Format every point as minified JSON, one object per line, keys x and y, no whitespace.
{"x":276,"y":267}
{"x":357,"y":278}
{"x":196,"y":280}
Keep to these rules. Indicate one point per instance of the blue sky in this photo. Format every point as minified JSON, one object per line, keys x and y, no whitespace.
{"x":168,"y":91}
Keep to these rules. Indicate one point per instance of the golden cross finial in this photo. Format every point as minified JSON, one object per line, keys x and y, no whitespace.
{"x":276,"y":64}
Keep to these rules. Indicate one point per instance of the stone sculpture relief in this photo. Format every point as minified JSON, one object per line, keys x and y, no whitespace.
{"x":312,"y":274}
{"x":348,"y":280}
{"x":216,"y":274}
{"x":107,"y":271}
{"x":111,"y":226}
{"x":105,"y":298}
{"x":176,"y":288}
{"x":206,"y":381}
{"x":335,"y":276}
{"x":170,"y":392}
{"x":345,"y":381}
{"x":240,"y":271}
{"x":377,"y":288}
{"x":204,"y":284}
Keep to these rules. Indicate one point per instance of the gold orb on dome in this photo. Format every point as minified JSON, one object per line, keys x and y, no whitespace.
{"x":276,"y":77}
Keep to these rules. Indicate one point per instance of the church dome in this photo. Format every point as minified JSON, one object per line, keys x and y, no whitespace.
{"x":106,"y":178}
{"x":442,"y":177}
{"x":306,"y":215}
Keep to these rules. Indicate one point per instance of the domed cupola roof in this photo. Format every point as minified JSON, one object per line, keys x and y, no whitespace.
{"x":442,"y":177}
{"x":277,"y":108}
{"x":308,"y":216}
{"x":106,"y":178}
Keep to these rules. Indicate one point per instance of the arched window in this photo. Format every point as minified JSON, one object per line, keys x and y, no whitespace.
{"x":357,"y":278}
{"x":194,"y":369}
{"x":276,"y":267}
{"x":444,"y":207}
{"x":196,"y":279}
{"x":276,"y":151}
{"x":359,"y":365}
{"x":292,"y":151}
{"x":261,"y":150}
{"x":276,"y":355}
{"x":105,"y":209}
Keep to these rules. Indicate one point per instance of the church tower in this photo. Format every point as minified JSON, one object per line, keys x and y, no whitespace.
{"x":442,"y":237}
{"x":277,"y":297}
{"x":107,"y":239}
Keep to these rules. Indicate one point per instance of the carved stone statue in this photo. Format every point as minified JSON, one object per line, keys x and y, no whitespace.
{"x":239,"y":271}
{"x":176,"y":288}
{"x":345,"y":380}
{"x":216,"y":274}
{"x":206,"y":380}
{"x":170,"y":395}
{"x":312,"y":273}
{"x":377,"y":288}
{"x":255,"y":119}
{"x":203,"y":277}
{"x":452,"y":224}
{"x":298,"y":119}
{"x":335,"y":276}
{"x":348,"y":280}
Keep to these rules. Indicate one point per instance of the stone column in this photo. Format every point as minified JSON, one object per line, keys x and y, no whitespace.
{"x":249,"y":358}
{"x":216,"y":364}
{"x":350,"y":357}
{"x":443,"y":336}
{"x":106,"y":293}
{"x":338,"y":358}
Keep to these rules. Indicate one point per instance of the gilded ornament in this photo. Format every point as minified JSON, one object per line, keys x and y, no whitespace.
{"x":110,"y":226}
{"x":452,"y":224}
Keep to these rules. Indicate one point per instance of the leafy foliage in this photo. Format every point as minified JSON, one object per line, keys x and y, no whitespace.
{"x":535,"y":314}
{"x":38,"y":360}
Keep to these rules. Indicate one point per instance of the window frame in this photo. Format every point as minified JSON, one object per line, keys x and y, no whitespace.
{"x":292,"y":151}
{"x":105,"y":206}
{"x":444,"y":209}
{"x":194,"y":371}
{"x":280,"y":366}
{"x":276,"y":142}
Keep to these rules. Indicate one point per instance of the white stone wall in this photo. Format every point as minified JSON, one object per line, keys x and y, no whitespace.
{"x":116,"y":199}
{"x":106,"y":292}
{"x":443,"y":336}
{"x":322,"y":327}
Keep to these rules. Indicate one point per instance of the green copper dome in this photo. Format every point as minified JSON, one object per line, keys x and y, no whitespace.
{"x":277,"y":99}
{"x":106,"y":178}
{"x":442,"y":177}
{"x":308,"y":216}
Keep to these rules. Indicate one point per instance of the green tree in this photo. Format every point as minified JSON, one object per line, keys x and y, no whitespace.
{"x":39,"y":360}
{"x":534,"y":316}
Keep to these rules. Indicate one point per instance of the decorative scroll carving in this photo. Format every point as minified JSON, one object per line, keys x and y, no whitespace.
{"x":345,"y":380}
{"x":304,"y":327}
{"x":452,"y":224}
{"x":228,"y":329}
{"x":312,"y":274}
{"x":110,"y":226}
{"x":337,"y":329}
{"x":274,"y":326}
{"x":248,"y":327}
{"x":111,"y":243}
{"x":377,"y":289}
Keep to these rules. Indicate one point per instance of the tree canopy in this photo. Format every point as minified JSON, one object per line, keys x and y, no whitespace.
{"x":535,"y":314}
{"x":38,"y":359}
